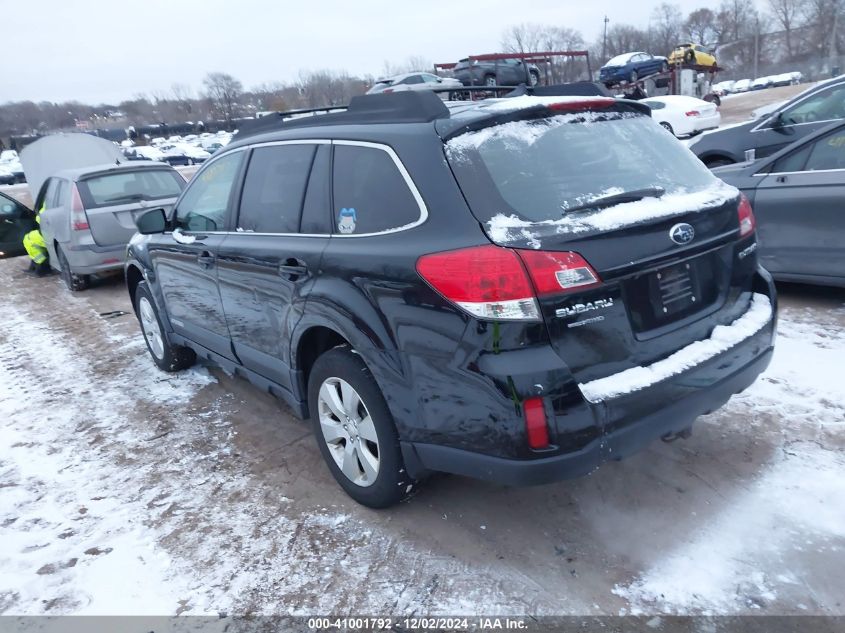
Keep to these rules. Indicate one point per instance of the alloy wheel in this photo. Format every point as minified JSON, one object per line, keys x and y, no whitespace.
{"x":348,"y":431}
{"x":150,"y":326}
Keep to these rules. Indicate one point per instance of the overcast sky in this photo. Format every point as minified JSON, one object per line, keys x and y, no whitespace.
{"x":109,"y":50}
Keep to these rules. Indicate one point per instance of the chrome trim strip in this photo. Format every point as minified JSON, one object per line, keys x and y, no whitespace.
{"x":385,"y":148}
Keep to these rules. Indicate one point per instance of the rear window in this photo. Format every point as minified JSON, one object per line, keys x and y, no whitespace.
{"x":539,"y":169}
{"x":126,"y":187}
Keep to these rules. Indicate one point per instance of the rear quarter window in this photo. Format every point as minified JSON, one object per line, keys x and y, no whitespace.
{"x":129,"y":186}
{"x":370,"y":193}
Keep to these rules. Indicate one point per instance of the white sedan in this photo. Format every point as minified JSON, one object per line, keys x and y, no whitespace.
{"x":684,"y":116}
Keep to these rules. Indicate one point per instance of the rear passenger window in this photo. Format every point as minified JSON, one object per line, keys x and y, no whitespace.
{"x":370,"y":193}
{"x":274,"y":188}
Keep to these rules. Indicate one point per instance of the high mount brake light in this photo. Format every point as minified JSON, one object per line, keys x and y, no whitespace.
{"x":581,"y":104}
{"x":78,"y":219}
{"x":747,"y":223}
{"x":491,"y":282}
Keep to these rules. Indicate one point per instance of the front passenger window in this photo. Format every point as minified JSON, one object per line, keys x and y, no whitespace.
{"x":206,"y":201}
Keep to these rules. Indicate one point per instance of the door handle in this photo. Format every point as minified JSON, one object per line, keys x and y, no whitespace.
{"x":205,"y":259}
{"x":780,"y":179}
{"x":293,"y":269}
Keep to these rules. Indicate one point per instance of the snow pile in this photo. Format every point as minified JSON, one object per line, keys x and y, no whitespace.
{"x":762,"y":548}
{"x":722,"y":338}
{"x":719,"y":570}
{"x":67,"y":532}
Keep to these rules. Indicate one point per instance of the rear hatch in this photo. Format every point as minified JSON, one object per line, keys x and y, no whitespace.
{"x":114,"y":199}
{"x":603,"y":201}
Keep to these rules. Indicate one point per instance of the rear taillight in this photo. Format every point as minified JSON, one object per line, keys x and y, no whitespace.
{"x":747,"y":223}
{"x":489,"y":282}
{"x":536,"y":426}
{"x":693,"y":113}
{"x":554,"y":272}
{"x":492,"y":282}
{"x":78,"y":219}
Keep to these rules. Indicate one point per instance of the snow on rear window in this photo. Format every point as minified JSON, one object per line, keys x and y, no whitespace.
{"x":540,"y":174}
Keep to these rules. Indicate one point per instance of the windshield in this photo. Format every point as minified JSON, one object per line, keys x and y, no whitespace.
{"x":541,"y":169}
{"x":130,"y":186}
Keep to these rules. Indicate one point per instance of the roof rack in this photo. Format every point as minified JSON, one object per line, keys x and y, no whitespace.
{"x":397,"y":107}
{"x":408,"y":106}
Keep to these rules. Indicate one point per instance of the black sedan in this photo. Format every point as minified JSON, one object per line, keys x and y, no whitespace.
{"x":800,"y":116}
{"x":797,"y":196}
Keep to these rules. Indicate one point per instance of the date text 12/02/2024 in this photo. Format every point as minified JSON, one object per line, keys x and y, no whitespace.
{"x":418,"y":623}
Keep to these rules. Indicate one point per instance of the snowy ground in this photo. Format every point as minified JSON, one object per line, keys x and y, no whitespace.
{"x":127,"y":491}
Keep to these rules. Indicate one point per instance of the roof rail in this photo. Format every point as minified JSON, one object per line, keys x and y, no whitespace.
{"x":396,"y":107}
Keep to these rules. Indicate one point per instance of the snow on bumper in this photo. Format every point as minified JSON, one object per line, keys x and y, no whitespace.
{"x":721,"y":339}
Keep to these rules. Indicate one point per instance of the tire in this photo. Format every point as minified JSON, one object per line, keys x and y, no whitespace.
{"x":74,"y":282}
{"x":533,"y":78}
{"x":489,"y":80}
{"x":342,"y":396}
{"x":167,"y":356}
{"x":667,"y":127}
{"x":634,"y":76}
{"x":689,"y":57}
{"x":717,"y":162}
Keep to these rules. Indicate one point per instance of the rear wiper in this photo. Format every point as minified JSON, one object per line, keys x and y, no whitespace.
{"x":129,"y":196}
{"x":617,"y":198}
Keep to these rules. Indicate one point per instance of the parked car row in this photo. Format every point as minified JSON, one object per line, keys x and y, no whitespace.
{"x":744,"y":85}
{"x":176,"y":150}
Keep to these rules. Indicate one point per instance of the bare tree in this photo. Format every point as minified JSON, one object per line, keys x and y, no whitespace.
{"x":666,"y":27}
{"x":223,"y":91}
{"x":700,"y":26}
{"x":183,"y":96}
{"x":523,"y":38}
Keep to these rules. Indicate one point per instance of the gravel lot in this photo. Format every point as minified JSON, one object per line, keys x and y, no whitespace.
{"x":204,"y":495}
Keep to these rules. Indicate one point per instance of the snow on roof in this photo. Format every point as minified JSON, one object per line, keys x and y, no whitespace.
{"x":721,"y":339}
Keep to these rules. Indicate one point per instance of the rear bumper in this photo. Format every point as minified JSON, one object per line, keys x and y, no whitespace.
{"x":669,"y":419}
{"x":621,"y":425}
{"x":90,"y":259}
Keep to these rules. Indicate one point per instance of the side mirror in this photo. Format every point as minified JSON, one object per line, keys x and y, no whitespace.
{"x":152,"y":222}
{"x":776,"y":121}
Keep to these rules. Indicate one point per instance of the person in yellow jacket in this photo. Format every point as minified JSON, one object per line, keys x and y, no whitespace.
{"x":36,"y":248}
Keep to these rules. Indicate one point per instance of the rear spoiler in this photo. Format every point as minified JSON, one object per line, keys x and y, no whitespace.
{"x":450,"y":128}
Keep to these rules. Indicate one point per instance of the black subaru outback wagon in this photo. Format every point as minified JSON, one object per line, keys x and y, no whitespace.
{"x":515,"y":289}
